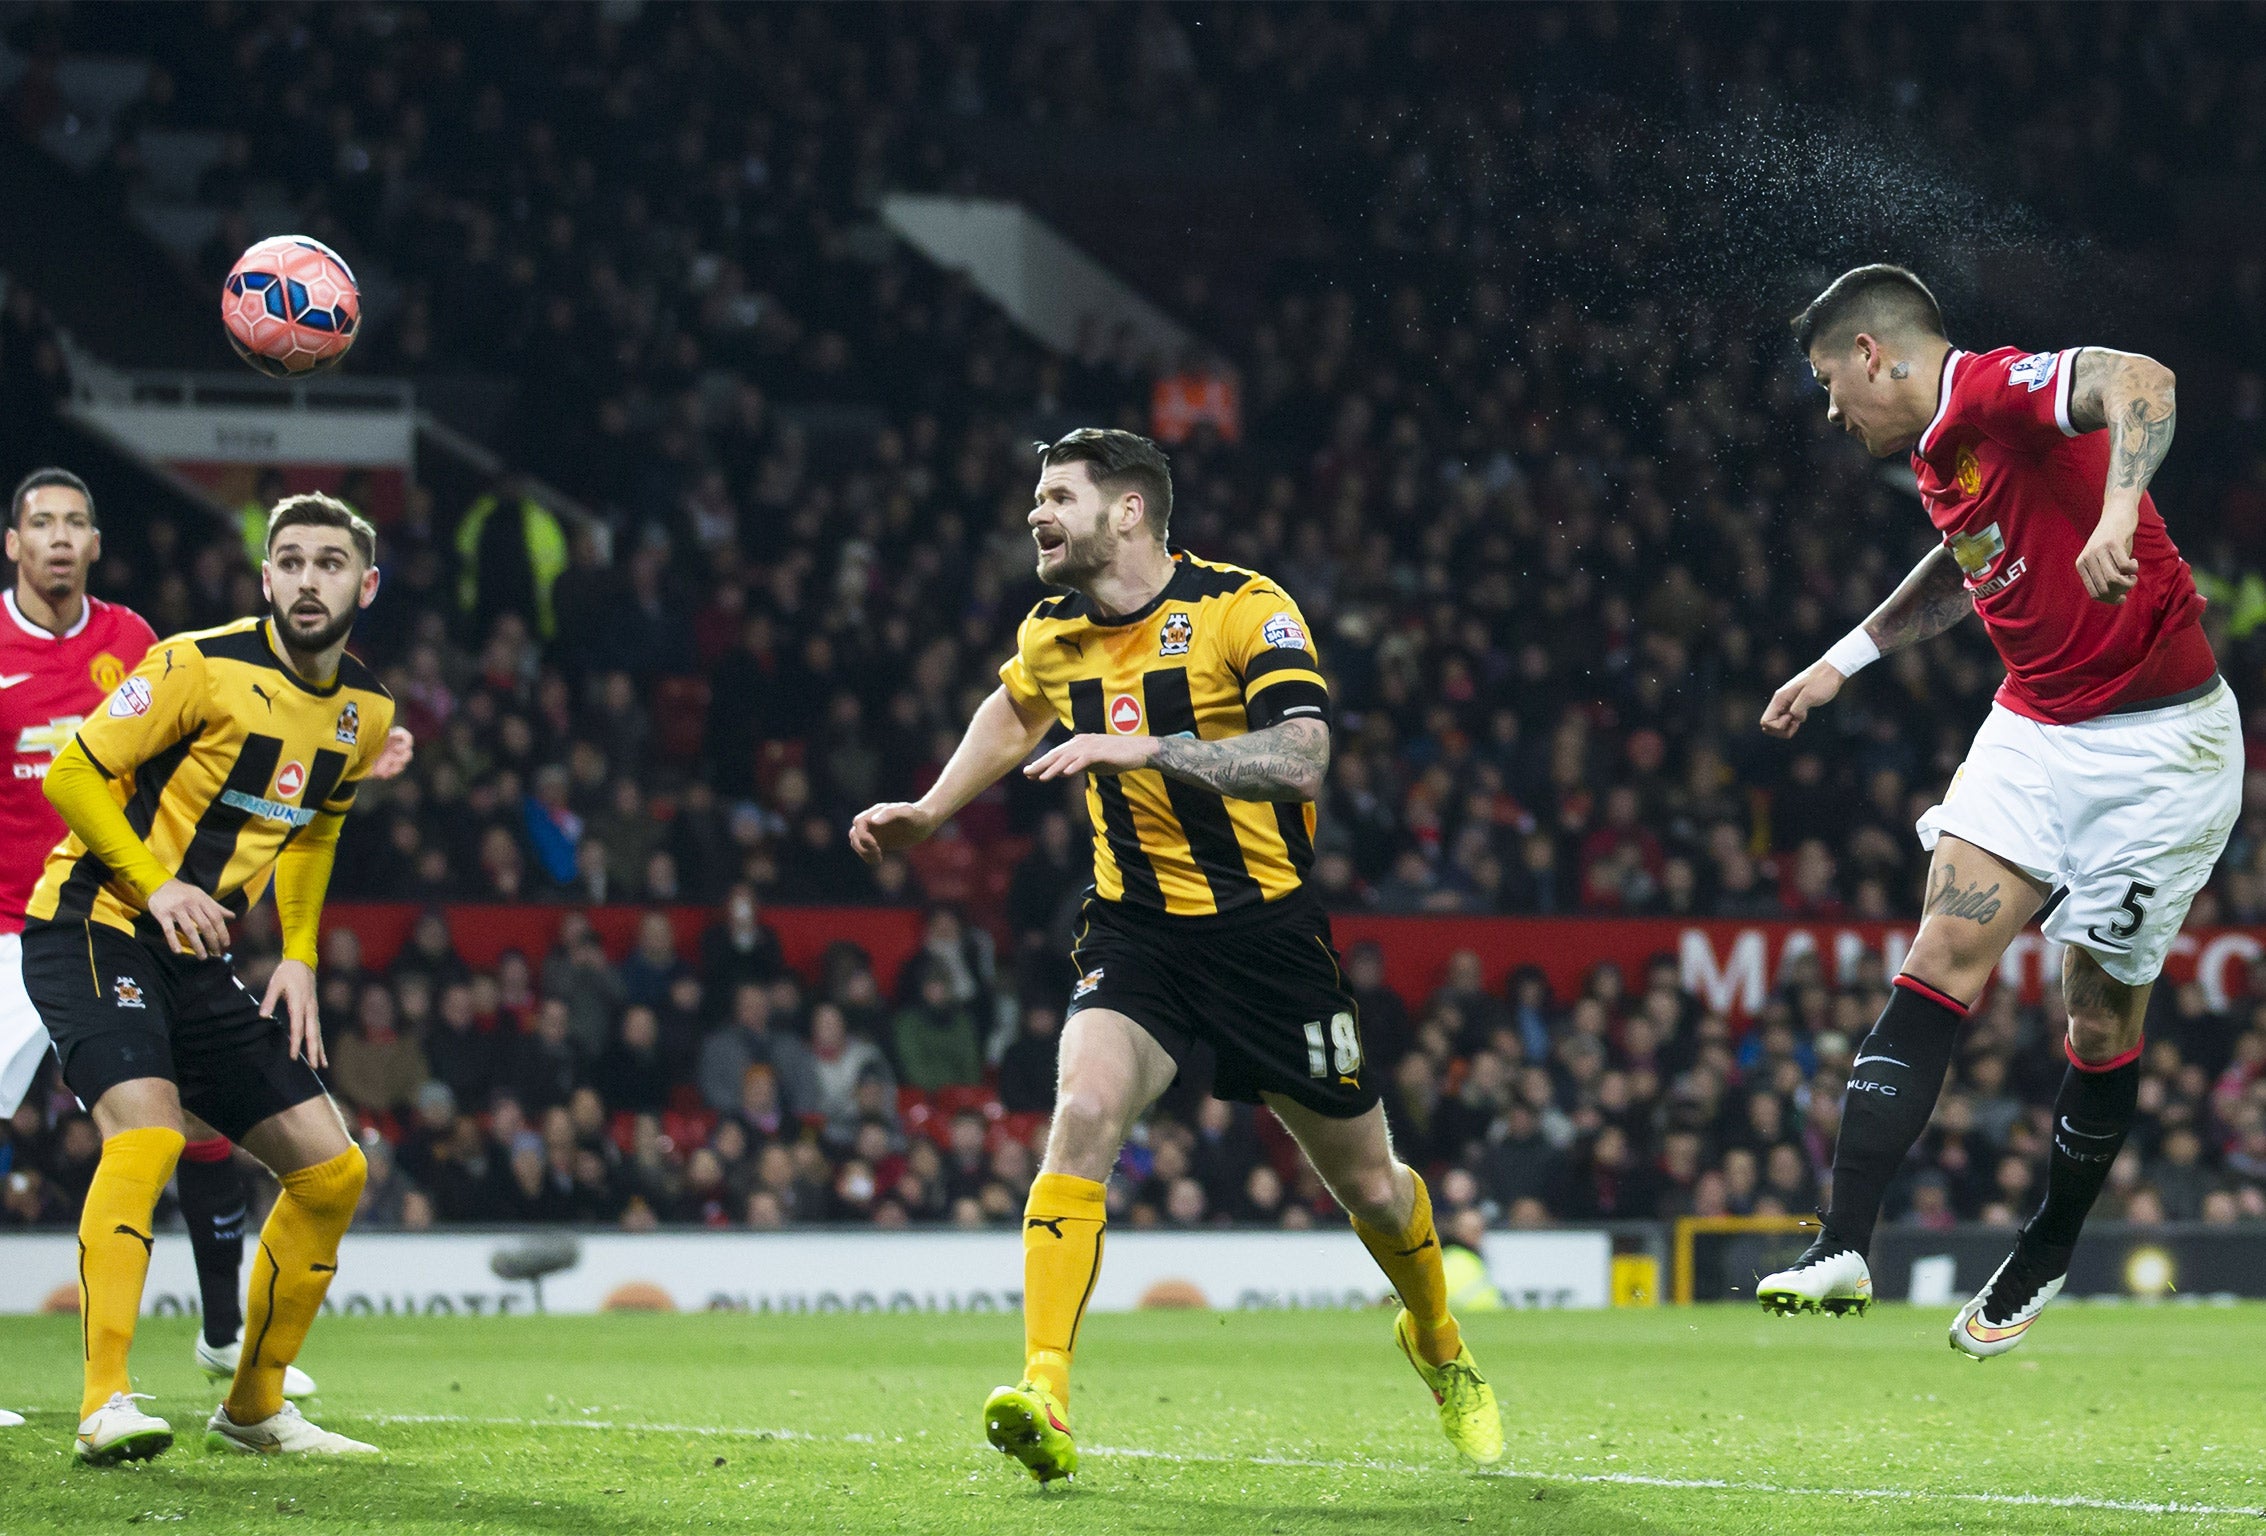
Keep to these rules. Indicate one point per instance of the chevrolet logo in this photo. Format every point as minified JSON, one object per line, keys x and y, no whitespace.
{"x":1975,"y":551}
{"x":50,"y":738}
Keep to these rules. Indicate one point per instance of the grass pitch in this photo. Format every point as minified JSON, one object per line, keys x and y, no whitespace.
{"x":1672,"y":1421}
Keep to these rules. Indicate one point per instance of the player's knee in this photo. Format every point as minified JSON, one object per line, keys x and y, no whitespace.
{"x":2098,"y":1035}
{"x":1372,"y":1195}
{"x":1088,"y":1122}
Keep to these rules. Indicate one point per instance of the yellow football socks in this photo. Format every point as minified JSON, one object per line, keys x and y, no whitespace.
{"x":1411,"y":1260}
{"x":298,"y":1255}
{"x":114,"y":1250}
{"x":1062,"y":1253}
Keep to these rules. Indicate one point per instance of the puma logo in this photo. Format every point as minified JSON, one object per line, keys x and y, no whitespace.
{"x":169,"y":661}
{"x":149,"y":1244}
{"x":1407,"y":1253}
{"x":1077,"y":646}
{"x":1051,"y":1223}
{"x":266,"y":697}
{"x":322,"y":1269}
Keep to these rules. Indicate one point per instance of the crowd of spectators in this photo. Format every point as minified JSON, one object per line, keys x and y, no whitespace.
{"x":1555,"y":493}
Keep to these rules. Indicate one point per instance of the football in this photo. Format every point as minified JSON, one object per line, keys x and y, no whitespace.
{"x":291,"y":306}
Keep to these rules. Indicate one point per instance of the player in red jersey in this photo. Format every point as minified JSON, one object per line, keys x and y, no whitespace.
{"x":61,"y":653}
{"x":2109,"y":771}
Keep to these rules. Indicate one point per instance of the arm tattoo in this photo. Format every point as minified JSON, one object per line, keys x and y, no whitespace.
{"x":2136,"y":400}
{"x":1282,"y":762}
{"x":1924,"y":605}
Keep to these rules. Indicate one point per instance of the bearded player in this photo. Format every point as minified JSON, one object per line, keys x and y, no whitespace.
{"x":61,"y":652}
{"x":2109,"y":770}
{"x":1201,"y":723}
{"x":228,"y":758}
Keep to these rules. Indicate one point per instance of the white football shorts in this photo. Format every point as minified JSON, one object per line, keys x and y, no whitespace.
{"x":23,"y":1039}
{"x":2127,"y":812}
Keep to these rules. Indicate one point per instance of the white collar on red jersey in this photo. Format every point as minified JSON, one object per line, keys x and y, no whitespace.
{"x":1943,"y":398}
{"x":40,"y":632}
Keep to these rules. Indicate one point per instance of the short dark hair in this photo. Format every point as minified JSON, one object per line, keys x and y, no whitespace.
{"x":313,"y":509}
{"x":40,"y":478}
{"x":1119,"y":461}
{"x":1868,"y":298}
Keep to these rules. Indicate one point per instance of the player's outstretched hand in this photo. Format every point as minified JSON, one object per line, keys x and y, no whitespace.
{"x":2106,"y":565}
{"x":193,"y":923}
{"x":1092,"y":754}
{"x":294,"y":983}
{"x":885,"y":828}
{"x":400,"y":747}
{"x":1791,"y":705}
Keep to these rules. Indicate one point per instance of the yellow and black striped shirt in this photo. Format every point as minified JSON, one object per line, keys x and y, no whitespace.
{"x":222,"y":758}
{"x":1220,"y":652}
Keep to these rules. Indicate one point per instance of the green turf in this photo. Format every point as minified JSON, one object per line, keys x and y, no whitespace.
{"x":1281,"y":1423}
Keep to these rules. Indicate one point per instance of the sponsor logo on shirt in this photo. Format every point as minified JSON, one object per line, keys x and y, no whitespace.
{"x":2036,"y":371}
{"x":1976,"y":551}
{"x":49,"y":739}
{"x":1179,"y":629}
{"x":131,"y":699}
{"x":1125,"y":714}
{"x":1283,"y":633}
{"x":271,"y":810}
{"x":291,"y":779}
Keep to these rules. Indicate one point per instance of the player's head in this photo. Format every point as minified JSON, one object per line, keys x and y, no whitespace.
{"x":1099,"y":488}
{"x":1867,"y":337}
{"x":52,"y":534}
{"x":321,"y":569}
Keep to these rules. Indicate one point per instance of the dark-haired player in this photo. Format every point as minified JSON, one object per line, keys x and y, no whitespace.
{"x":61,"y":652}
{"x":2110,"y":769}
{"x":1201,"y":723}
{"x":227,"y":758}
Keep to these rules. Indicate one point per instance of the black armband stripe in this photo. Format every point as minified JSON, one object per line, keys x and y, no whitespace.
{"x":1292,"y":699}
{"x":1279,"y":660}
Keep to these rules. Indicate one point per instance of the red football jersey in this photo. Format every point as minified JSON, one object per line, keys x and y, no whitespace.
{"x":48,"y":684}
{"x":2015,"y":490}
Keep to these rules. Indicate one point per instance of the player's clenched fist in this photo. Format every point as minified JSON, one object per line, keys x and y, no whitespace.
{"x":1791,"y":705}
{"x":885,"y":828}
{"x":2106,"y":565}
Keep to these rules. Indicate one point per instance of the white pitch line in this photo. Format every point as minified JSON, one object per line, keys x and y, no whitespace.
{"x":1618,"y":1479}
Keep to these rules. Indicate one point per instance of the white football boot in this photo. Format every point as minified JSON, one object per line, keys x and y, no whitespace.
{"x":1829,"y":1277}
{"x":284,"y":1433}
{"x":9,"y":1420}
{"x":2001,"y":1314}
{"x":118,"y":1431}
{"x":218,"y":1361}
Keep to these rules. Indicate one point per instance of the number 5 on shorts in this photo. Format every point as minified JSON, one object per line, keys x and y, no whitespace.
{"x":1344,"y":1043}
{"x":2125,"y":927}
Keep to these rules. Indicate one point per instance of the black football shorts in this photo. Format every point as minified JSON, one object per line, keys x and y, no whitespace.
{"x":1246,"y":1004}
{"x":120,"y":1007}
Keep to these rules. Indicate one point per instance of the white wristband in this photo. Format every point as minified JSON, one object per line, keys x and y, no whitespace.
{"x":1852,"y":653}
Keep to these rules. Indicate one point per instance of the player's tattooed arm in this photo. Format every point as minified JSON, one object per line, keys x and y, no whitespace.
{"x":2136,"y":400}
{"x":1925,"y":603}
{"x":1282,"y":762}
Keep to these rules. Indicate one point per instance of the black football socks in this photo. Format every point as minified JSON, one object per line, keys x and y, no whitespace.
{"x":2091,"y":1115}
{"x":1893,"y":1085}
{"x":212,"y":1207}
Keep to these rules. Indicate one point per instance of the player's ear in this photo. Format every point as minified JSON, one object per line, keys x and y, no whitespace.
{"x":369,"y":588}
{"x":15,"y":547}
{"x":1131,"y":508}
{"x":1869,"y":351}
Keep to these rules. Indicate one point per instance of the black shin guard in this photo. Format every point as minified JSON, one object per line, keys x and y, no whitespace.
{"x":2091,"y":1115}
{"x":1893,"y":1085}
{"x":213,"y":1208}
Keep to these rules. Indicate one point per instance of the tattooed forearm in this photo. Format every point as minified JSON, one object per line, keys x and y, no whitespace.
{"x":2136,"y":399}
{"x":1924,"y":605}
{"x":1973,"y":900}
{"x":1282,"y":762}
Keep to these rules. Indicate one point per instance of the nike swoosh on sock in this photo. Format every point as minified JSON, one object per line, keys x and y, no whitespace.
{"x":1891,"y":1060}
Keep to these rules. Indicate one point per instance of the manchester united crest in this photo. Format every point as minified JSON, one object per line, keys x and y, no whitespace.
{"x":1969,"y":471}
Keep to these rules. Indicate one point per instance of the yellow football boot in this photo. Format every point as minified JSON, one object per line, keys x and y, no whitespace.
{"x":1025,"y":1422}
{"x":1468,"y":1415}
